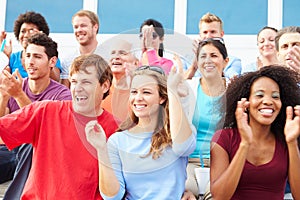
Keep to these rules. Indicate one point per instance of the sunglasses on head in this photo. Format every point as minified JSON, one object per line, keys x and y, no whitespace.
{"x":219,"y":39}
{"x":152,"y":68}
{"x":154,"y":35}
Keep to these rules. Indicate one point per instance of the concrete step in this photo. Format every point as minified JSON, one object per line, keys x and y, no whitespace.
{"x":3,"y":188}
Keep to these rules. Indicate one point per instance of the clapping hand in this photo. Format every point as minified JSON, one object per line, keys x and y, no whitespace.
{"x":196,"y":45}
{"x":147,"y":38}
{"x":11,"y":83}
{"x":294,"y":58}
{"x":292,"y":124}
{"x":242,"y":121}
{"x":7,"y":48}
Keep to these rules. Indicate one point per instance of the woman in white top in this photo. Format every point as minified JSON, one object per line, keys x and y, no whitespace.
{"x":267,"y":51}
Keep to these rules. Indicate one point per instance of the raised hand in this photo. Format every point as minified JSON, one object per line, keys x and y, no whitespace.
{"x":95,"y":135}
{"x":294,"y":55}
{"x":129,"y":68}
{"x":176,"y":82}
{"x":7,"y":45}
{"x":147,"y":36}
{"x":182,"y":86}
{"x":242,"y":121}
{"x":292,"y":124}
{"x":12,"y":83}
{"x":196,"y":44}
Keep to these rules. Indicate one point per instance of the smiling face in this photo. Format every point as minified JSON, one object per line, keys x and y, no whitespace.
{"x":266,"y":43}
{"x":85,"y":32}
{"x":37,"y":64}
{"x":120,"y":56}
{"x":285,"y":44}
{"x":210,"y":61}
{"x":265,"y":103}
{"x":87,"y":92}
{"x":26,"y":30}
{"x":210,"y":30}
{"x":144,"y":97}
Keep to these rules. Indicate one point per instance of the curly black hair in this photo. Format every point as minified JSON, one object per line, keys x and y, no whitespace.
{"x":41,"y":39}
{"x":288,"y":82}
{"x":31,"y":17}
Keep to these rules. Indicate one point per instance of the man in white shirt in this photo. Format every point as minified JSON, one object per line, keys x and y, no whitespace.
{"x":86,"y":27}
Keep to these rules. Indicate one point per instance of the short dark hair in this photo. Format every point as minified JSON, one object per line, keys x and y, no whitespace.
{"x":264,"y":28}
{"x":288,"y":29}
{"x":31,"y":17}
{"x":41,"y":39}
{"x":104,"y":72}
{"x":240,"y":87}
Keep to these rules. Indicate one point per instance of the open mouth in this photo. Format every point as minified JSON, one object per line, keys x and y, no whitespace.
{"x":266,"y":111}
{"x":80,"y":36}
{"x":140,"y":106}
{"x":116,"y":64}
{"x":80,"y":98}
{"x":209,"y":68}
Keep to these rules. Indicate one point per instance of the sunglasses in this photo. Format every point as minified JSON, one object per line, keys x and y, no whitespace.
{"x":154,"y":35}
{"x":152,"y":68}
{"x":218,"y":39}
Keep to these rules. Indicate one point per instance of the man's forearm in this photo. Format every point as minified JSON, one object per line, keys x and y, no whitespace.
{"x":22,"y":100}
{"x":3,"y":105}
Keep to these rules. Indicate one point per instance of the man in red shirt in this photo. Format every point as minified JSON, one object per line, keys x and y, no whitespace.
{"x":64,"y":164}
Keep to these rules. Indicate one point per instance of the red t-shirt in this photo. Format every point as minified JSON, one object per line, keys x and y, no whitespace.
{"x":64,"y":164}
{"x":265,"y":181}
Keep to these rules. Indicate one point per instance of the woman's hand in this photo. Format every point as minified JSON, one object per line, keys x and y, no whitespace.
{"x":242,"y":121}
{"x":95,"y":135}
{"x":147,"y":38}
{"x":292,"y":124}
{"x":7,"y":48}
{"x":176,"y":82}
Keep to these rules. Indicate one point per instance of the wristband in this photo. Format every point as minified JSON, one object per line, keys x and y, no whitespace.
{"x":3,"y":45}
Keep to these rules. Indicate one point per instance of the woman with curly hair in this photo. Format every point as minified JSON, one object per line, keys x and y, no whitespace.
{"x":147,"y":158}
{"x":255,"y":153}
{"x":26,"y":25}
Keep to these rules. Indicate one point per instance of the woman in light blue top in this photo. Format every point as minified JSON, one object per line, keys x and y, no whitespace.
{"x":26,"y":25}
{"x":147,"y":157}
{"x":208,"y":110}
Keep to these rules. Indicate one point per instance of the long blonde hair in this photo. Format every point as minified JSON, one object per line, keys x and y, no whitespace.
{"x":161,"y":137}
